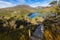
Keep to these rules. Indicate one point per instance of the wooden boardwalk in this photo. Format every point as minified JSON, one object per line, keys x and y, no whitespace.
{"x":38,"y":34}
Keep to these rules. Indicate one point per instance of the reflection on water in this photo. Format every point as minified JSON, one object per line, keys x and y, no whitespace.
{"x":44,"y":15}
{"x":32,"y":15}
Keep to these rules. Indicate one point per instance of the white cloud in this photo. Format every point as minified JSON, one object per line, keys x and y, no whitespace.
{"x":21,"y":1}
{"x":39,"y":4}
{"x":4,"y":4}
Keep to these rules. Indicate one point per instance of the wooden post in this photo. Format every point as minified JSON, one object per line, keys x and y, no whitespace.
{"x":29,"y":33}
{"x":57,"y":1}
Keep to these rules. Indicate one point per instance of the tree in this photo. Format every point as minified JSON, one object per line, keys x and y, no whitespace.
{"x":53,"y":2}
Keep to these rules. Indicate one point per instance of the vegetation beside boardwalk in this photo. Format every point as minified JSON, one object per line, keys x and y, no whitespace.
{"x":14,"y":26}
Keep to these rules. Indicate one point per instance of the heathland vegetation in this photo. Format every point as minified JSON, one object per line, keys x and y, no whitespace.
{"x":15,"y":23}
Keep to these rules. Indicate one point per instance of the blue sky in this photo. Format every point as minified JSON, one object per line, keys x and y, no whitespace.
{"x":33,"y":3}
